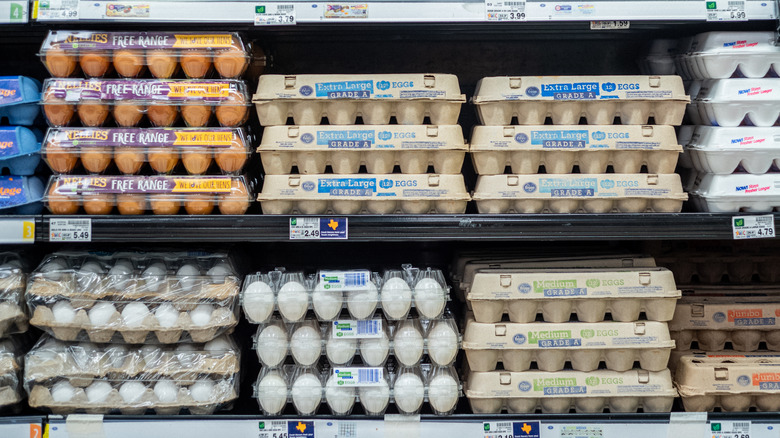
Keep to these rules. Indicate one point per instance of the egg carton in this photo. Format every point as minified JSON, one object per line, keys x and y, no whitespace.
{"x":559,"y":148}
{"x":557,"y":392}
{"x":733,"y":382}
{"x":558,"y":293}
{"x":680,"y":64}
{"x":712,"y":268}
{"x":721,"y":55}
{"x":531,"y":99}
{"x":723,"y":150}
{"x":20,"y":149}
{"x":737,"y":192}
{"x":410,"y":98}
{"x":729,"y":102}
{"x":10,"y":371}
{"x":341,"y":388}
{"x":19,"y":99}
{"x":21,"y":195}
{"x":131,"y":148}
{"x":346,"y":148}
{"x":660,"y":58}
{"x":692,"y":110}
{"x":89,"y":101}
{"x":13,"y":280}
{"x":136,"y":194}
{"x":588,"y":193}
{"x":364,"y":194}
{"x":129,"y":53}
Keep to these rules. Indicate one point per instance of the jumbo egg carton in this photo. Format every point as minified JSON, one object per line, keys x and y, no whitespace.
{"x":558,"y":392}
{"x":721,"y":55}
{"x":341,"y":388}
{"x":660,"y":58}
{"x":20,"y":154}
{"x":737,"y":192}
{"x":531,"y":99}
{"x":364,"y":194}
{"x":131,"y":148}
{"x":723,"y":150}
{"x":713,"y":268}
{"x":134,"y":296}
{"x":558,"y":293}
{"x":311,"y":149}
{"x":91,"y":101}
{"x":732,"y":102}
{"x":19,"y":100}
{"x":573,"y":193}
{"x":559,"y":148}
{"x":410,"y":98}
{"x":13,"y":281}
{"x":10,"y":372}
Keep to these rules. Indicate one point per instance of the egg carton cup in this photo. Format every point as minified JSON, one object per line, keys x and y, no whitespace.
{"x":559,"y":391}
{"x":364,"y":194}
{"x":63,"y":53}
{"x":660,"y":58}
{"x":131,"y":148}
{"x":730,"y":102}
{"x":557,"y":294}
{"x":737,"y":192}
{"x":89,"y":101}
{"x":720,"y":55}
{"x":531,"y":99}
{"x":588,"y":193}
{"x":723,"y":150}
{"x":19,"y":100}
{"x":21,"y":147}
{"x":709,"y":268}
{"x":311,"y":149}
{"x":21,"y":195}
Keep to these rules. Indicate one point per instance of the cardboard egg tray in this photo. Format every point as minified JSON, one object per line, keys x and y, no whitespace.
{"x":727,"y":102}
{"x":594,"y":193}
{"x":311,"y":149}
{"x":724,"y":150}
{"x":737,"y":192}
{"x":10,"y":370}
{"x":719,"y":55}
{"x":19,"y":102}
{"x":559,"y":148}
{"x":709,"y":268}
{"x":21,"y":146}
{"x":531,"y":99}
{"x":364,"y":194}
{"x":559,"y":391}
{"x":557,"y":294}
{"x":410,"y":98}
{"x":13,"y":318}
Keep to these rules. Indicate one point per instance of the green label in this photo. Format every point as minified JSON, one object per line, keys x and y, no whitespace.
{"x":592,"y":381}
{"x":711,"y":5}
{"x":540,"y":384}
{"x":739,"y":222}
{"x":535,"y":337}
{"x":593,"y":282}
{"x":17,"y":12}
{"x":540,"y":286}
{"x":587,"y":333}
{"x":261,"y":10}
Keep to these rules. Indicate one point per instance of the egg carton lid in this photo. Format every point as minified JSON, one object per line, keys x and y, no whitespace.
{"x":698,"y":292}
{"x":740,"y":90}
{"x":359,"y":138}
{"x":721,"y":43}
{"x":728,"y":372}
{"x":18,"y":141}
{"x":18,"y":90}
{"x":185,"y":186}
{"x":180,"y":139}
{"x":738,"y":186}
{"x":735,"y":139}
{"x":20,"y":191}
{"x":726,"y":313}
{"x":75,"y":42}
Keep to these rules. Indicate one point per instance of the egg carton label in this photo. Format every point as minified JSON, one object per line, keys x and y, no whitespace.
{"x":359,"y":376}
{"x":10,"y":91}
{"x":581,"y":137}
{"x":727,"y":90}
{"x":357,"y":329}
{"x":362,"y":137}
{"x":710,"y":374}
{"x":12,"y":191}
{"x":86,"y":41}
{"x":369,"y":186}
{"x":345,"y":280}
{"x":730,"y":193}
{"x":145,"y":90}
{"x":80,"y":185}
{"x":9,"y":143}
{"x":714,"y":313}
{"x":141,"y":138}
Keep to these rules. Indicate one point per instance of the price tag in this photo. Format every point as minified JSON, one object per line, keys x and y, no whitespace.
{"x":582,"y":432}
{"x":338,"y":10}
{"x":505,"y":10}
{"x":47,"y":10}
{"x":274,"y":14}
{"x":726,"y":10}
{"x":70,"y":230}
{"x":313,"y":228}
{"x":753,"y":227}
{"x":730,"y":429}
{"x":610,"y":24}
{"x":272,"y":429}
{"x":17,"y":230}
{"x":357,"y":329}
{"x":506,"y":429}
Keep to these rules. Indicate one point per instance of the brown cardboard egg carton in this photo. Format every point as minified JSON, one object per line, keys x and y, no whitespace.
{"x":345,"y":149}
{"x":557,"y":294}
{"x":13,"y":318}
{"x":10,"y":371}
{"x":559,"y":148}
{"x":713,"y":268}
{"x":559,"y":391}
{"x":342,"y":98}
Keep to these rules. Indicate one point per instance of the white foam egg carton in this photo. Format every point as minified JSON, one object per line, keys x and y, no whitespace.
{"x":10,"y":373}
{"x":692,"y":110}
{"x":364,"y":194}
{"x":559,"y":293}
{"x":737,"y":192}
{"x":712,"y":268}
{"x":531,"y":99}
{"x":720,"y":55}
{"x":311,"y":149}
{"x":588,"y":193}
{"x":727,"y":102}
{"x":410,"y":98}
{"x":557,"y":392}
{"x":559,"y":148}
{"x":725,"y":150}
{"x":660,"y":58}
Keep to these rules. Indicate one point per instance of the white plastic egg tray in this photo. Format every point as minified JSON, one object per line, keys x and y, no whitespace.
{"x":10,"y":373}
{"x":559,"y":391}
{"x":588,"y":193}
{"x":720,"y":55}
{"x":364,"y":194}
{"x":13,"y":280}
{"x":559,"y":148}
{"x":311,"y":149}
{"x":737,"y":192}
{"x":557,"y":294}
{"x":724,"y":150}
{"x":727,"y":102}
{"x":660,"y":58}
{"x":531,"y":99}
{"x":713,"y":268}
{"x":342,"y":98}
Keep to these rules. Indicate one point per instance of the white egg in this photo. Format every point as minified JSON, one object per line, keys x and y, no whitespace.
{"x":188,"y":276}
{"x":201,"y":314}
{"x":374,"y":351}
{"x":186,"y":355}
{"x":218,"y":346}
{"x":166,"y":391}
{"x":258,"y":301}
{"x":119,"y":274}
{"x":340,"y":398}
{"x":62,"y":391}
{"x":63,"y":312}
{"x":117,"y":354}
{"x":306,"y":345}
{"x":408,"y":344}
{"x":154,"y":276}
{"x":375,"y":398}
{"x":101,"y":313}
{"x":272,"y":393}
{"x":89,"y":275}
{"x":8,"y":269}
{"x":327,"y":303}
{"x":293,"y":301}
{"x":340,"y":351}
{"x":166,"y":315}
{"x":53,"y":269}
{"x":429,"y":298}
{"x":442,"y":344}
{"x":307,"y":393}
{"x":408,"y":392}
{"x":396,"y":298}
{"x":219,"y":272}
{"x":272,"y":345}
{"x":131,"y":392}
{"x":84,"y":354}
{"x":134,"y":314}
{"x":152,"y":356}
{"x":98,"y":391}
{"x":443,"y":393}
{"x":362,"y":303}
{"x":203,"y":391}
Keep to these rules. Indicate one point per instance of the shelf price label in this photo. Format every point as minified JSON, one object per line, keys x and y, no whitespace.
{"x":730,"y":429}
{"x":272,"y":429}
{"x":726,"y":10}
{"x":275,"y":14}
{"x":507,"y":429}
{"x":70,"y":230}
{"x":17,"y":230}
{"x":318,"y":228}
{"x":610,"y":24}
{"x":753,"y":227}
{"x":56,"y":10}
{"x":504,"y":10}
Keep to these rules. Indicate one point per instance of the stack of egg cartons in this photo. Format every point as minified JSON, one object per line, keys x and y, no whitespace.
{"x":341,"y":351}
{"x":11,"y":362}
{"x":13,"y":321}
{"x":112,"y":137}
{"x":563,"y":148}
{"x":133,"y":331}
{"x":346,"y":147}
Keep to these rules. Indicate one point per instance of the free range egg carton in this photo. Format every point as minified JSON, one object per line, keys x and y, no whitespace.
{"x":21,"y":149}
{"x":13,"y":280}
{"x":721,"y":55}
{"x":11,"y":361}
{"x":712,"y":268}
{"x":364,"y":194}
{"x":660,"y":58}
{"x":589,"y":193}
{"x":737,"y":192}
{"x":559,"y":148}
{"x":19,"y":102}
{"x":531,"y":99}
{"x":729,"y":102}
{"x":725,"y":150}
{"x":558,"y":293}
{"x":346,"y":148}
{"x":410,"y":98}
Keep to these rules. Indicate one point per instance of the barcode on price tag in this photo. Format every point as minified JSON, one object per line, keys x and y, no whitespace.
{"x":314,"y":228}
{"x":504,"y":10}
{"x":354,"y":376}
{"x":275,"y":14}
{"x":70,"y":230}
{"x":726,"y":10}
{"x":50,"y":10}
{"x":753,"y":227}
{"x":364,"y":329}
{"x":346,"y":280}
{"x":610,"y":24}
{"x":272,"y":429}
{"x":529,"y":429}
{"x":730,"y":429}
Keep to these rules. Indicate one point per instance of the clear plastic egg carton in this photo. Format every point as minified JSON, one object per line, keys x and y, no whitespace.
{"x":660,"y":58}
{"x":531,"y":99}
{"x":11,"y":362}
{"x":364,"y":194}
{"x":737,"y":192}
{"x":730,"y":102}
{"x":712,"y":268}
{"x":557,"y":392}
{"x":19,"y":101}
{"x":137,"y":296}
{"x":588,"y":193}
{"x":559,"y":148}
{"x":410,"y":98}
{"x":20,"y":154}
{"x":721,"y":55}
{"x":13,"y":281}
{"x":724,"y":150}
{"x":558,"y":293}
{"x":341,"y":388}
{"x":311,"y":149}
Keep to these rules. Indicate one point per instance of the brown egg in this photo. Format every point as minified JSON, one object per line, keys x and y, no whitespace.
{"x":231,"y":62}
{"x":232,"y":159}
{"x":60,"y":159}
{"x":128,"y":113}
{"x":165,"y":204}
{"x":163,"y":160}
{"x":92,"y":114}
{"x":129,"y":62}
{"x":58,"y":112}
{"x":195,"y":63}
{"x":129,"y":159}
{"x":60,"y":63}
{"x":199,"y":204}
{"x":162,"y":63}
{"x":62,"y":204}
{"x":131,"y":203}
{"x":235,"y":202}
{"x":196,"y":115}
{"x":99,"y":203}
{"x":162,"y":115}
{"x":232,"y":111}
{"x":95,"y":64}
{"x":196,"y":160}
{"x":95,"y":160}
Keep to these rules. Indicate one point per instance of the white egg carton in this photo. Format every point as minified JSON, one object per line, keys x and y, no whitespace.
{"x":10,"y":372}
{"x":737,"y":192}
{"x":589,"y":193}
{"x":342,"y":98}
{"x":660,"y":58}
{"x":731,"y":381}
{"x":341,"y":388}
{"x":311,"y":149}
{"x":680,"y":65}
{"x":559,"y":293}
{"x":364,"y":194}
{"x":568,"y":98}
{"x":727,"y":102}
{"x":556,"y":392}
{"x":692,"y":110}
{"x":713,"y":268}
{"x":720,"y":55}
{"x":724,"y":150}
{"x":13,"y":281}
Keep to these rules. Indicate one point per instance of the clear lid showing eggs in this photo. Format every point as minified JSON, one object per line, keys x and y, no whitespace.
{"x":129,"y":54}
{"x":131,"y":148}
{"x":133,"y":195}
{"x":13,"y":281}
{"x":11,"y":361}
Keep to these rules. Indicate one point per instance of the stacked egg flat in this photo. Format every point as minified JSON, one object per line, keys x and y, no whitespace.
{"x":11,"y":361}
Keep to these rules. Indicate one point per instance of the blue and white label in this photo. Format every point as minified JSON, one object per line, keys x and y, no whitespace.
{"x":348,"y":139}
{"x":568,"y":188}
{"x":565,"y":390}
{"x":566,"y":292}
{"x":313,"y":228}
{"x":747,"y":322}
{"x":354,"y":376}
{"x":357,"y":329}
{"x":519,"y":339}
{"x":345,"y":89}
{"x":10,"y":91}
{"x":573,"y":91}
{"x":9,"y":143}
{"x":345,"y":280}
{"x":12,"y":191}
{"x":562,"y":139}
{"x":347,"y":186}
{"x":560,"y":343}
